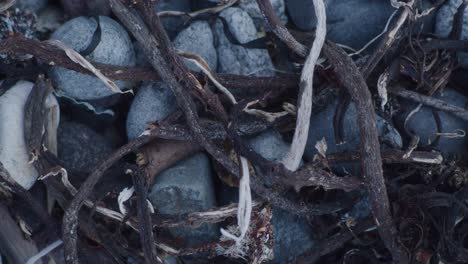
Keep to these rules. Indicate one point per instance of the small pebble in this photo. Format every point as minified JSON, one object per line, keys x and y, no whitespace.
{"x":292,"y":236}
{"x":31,"y":5}
{"x":251,"y":7}
{"x":184,"y":188}
{"x":424,"y":124}
{"x":321,"y":126}
{"x":153,"y":102}
{"x":197,"y":38}
{"x":114,"y":48}
{"x":353,"y":23}
{"x":444,"y":23}
{"x":237,"y":59}
{"x":81,"y":148}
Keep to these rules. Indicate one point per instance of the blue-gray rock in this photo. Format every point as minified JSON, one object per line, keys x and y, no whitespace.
{"x":154,"y":101}
{"x":270,"y":145}
{"x":251,"y":7}
{"x":292,"y":234}
{"x":184,"y":188}
{"x":424,"y":124}
{"x":444,"y":23}
{"x":81,"y":148}
{"x":197,"y":38}
{"x":359,"y":211}
{"x":172,"y":24}
{"x":237,"y":59}
{"x":353,"y":23}
{"x":321,"y":126}
{"x":31,"y":5}
{"x":114,"y":48}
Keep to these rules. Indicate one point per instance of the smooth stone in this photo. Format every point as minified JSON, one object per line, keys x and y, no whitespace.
{"x":31,"y":5}
{"x":154,"y":101}
{"x":251,"y":7}
{"x":80,"y":147}
{"x":270,"y":145}
{"x":292,"y":234}
{"x":49,"y":19}
{"x":321,"y":126}
{"x":198,"y":39}
{"x":353,"y":23}
{"x":115,"y":48}
{"x":423,"y":124}
{"x":444,"y":23}
{"x":360,"y":210}
{"x":184,"y":188}
{"x":237,"y":59}
{"x":14,"y":152}
{"x":173,"y":24}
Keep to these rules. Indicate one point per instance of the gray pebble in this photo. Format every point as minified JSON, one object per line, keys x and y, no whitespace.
{"x":321,"y":126}
{"x":237,"y":59}
{"x":184,"y":188}
{"x":292,"y":234}
{"x":80,"y":147}
{"x":270,"y":145}
{"x":115,"y":48}
{"x":197,"y":38}
{"x":154,"y":101}
{"x":353,"y":23}
{"x":31,"y":5}
{"x":172,"y":24}
{"x":444,"y":22}
{"x":251,"y":7}
{"x":423,"y":124}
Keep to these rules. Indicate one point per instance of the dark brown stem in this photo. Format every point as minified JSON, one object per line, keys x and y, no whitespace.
{"x":350,"y":78}
{"x":144,"y":218}
{"x":390,"y":156}
{"x":430,"y":101}
{"x":280,"y":30}
{"x":50,"y":55}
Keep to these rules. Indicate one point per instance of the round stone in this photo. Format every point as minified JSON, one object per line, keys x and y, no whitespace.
{"x":425,"y":125}
{"x":444,"y":24}
{"x":353,"y":23}
{"x":114,"y":48}
{"x":154,"y":101}
{"x":237,"y":59}
{"x":197,"y":38}
{"x":81,"y":148}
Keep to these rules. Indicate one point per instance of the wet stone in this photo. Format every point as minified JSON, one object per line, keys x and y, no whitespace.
{"x":81,"y":148}
{"x":197,"y":38}
{"x":321,"y":126}
{"x":444,"y":24}
{"x":154,"y":101}
{"x":237,"y":59}
{"x":31,"y":5}
{"x":187,"y":187}
{"x":424,"y":124}
{"x":345,"y":23}
{"x":114,"y":48}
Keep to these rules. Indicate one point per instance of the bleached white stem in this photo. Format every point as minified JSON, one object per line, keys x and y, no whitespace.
{"x":244,"y":209}
{"x":294,"y":156}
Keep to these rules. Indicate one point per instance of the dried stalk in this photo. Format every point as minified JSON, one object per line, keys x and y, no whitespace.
{"x":430,"y":101}
{"x":350,"y":77}
{"x":293,"y":158}
{"x":6,"y":4}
